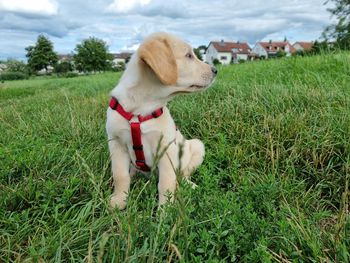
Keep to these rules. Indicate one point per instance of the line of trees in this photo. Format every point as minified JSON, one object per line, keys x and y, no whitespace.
{"x":91,"y":55}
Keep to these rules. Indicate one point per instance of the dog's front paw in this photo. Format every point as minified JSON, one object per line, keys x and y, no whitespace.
{"x":166,"y":198}
{"x":118,"y":201}
{"x":190,"y":183}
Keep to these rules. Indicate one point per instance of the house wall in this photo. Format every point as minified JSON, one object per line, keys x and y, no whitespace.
{"x":258,"y":49}
{"x":287,"y":50}
{"x":211,"y":54}
{"x":297,"y":46}
{"x":242,"y":57}
{"x":204,"y":57}
{"x":118,"y":60}
{"x":224,"y":57}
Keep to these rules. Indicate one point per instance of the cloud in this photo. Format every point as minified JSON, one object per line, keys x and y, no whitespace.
{"x":125,"y":23}
{"x":37,"y":7}
{"x":151,"y":8}
{"x":54,"y":26}
{"x":124,"y":6}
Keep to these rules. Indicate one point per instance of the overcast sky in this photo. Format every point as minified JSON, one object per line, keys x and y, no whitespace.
{"x":124,"y":23}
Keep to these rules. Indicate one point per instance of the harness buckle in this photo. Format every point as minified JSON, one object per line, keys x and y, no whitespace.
{"x":113,"y":104}
{"x":137,"y":147}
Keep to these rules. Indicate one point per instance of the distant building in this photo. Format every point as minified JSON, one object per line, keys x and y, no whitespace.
{"x":121,"y":57}
{"x":46,"y":71}
{"x":270,"y":49}
{"x":227,"y":52}
{"x":65,"y":58}
{"x":303,"y":46}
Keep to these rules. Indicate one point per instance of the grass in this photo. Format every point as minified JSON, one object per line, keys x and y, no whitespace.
{"x":274,"y":186}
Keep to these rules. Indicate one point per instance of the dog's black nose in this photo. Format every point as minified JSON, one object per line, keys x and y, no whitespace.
{"x":214,"y":70}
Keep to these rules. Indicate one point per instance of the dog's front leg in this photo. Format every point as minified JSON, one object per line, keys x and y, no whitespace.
{"x":167,"y":180}
{"x":120,"y":170}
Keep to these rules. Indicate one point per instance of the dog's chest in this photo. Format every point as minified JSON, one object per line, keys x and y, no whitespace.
{"x":154,"y":133}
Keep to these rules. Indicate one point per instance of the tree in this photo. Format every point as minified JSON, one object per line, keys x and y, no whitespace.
{"x":42,"y":55}
{"x":92,"y":55}
{"x":320,"y":47}
{"x":13,"y":65}
{"x":341,"y":30}
{"x":203,"y":47}
{"x":198,"y":53}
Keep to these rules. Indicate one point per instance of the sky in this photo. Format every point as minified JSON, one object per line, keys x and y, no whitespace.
{"x":123,"y":24}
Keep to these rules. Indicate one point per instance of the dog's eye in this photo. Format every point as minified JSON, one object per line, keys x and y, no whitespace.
{"x":189,"y":55}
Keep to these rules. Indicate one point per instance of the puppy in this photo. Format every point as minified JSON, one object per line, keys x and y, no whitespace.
{"x":141,"y":131}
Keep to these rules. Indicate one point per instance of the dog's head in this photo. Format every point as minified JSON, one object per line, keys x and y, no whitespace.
{"x":174,"y":63}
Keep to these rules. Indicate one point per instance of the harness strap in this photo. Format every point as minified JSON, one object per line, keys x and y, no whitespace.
{"x":138,"y":146}
{"x":114,"y":104}
{"x":136,"y":131}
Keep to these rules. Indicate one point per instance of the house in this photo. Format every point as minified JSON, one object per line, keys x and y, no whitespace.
{"x":121,"y":57}
{"x":227,"y":52}
{"x":271,"y":49}
{"x":303,"y":46}
{"x":65,"y":58}
{"x":44,"y":71}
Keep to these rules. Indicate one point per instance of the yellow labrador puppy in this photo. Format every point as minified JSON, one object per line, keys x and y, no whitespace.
{"x":141,"y":131}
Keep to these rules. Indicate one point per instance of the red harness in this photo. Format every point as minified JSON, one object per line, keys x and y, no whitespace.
{"x":140,"y":162}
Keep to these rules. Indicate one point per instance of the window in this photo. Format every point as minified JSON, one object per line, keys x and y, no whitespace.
{"x":235,"y":50}
{"x":223,"y":57}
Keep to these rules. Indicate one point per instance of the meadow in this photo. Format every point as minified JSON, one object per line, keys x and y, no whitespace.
{"x":274,"y":185}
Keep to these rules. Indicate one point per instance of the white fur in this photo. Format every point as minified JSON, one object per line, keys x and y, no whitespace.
{"x":140,"y":91}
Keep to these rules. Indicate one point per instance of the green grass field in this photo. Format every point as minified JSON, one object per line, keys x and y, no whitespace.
{"x":274,"y":185}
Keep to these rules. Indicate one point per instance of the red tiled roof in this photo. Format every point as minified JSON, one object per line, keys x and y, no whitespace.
{"x":305,"y":45}
{"x":243,"y":48}
{"x":275,"y":46}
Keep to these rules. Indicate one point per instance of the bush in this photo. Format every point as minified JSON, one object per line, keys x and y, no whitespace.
{"x":71,"y":75}
{"x":13,"y":76}
{"x":216,"y":62}
{"x":280,"y":54}
{"x":63,"y":67}
{"x":16,"y":66}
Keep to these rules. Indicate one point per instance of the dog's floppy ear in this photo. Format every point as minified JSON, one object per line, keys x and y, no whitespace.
{"x":158,"y":55}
